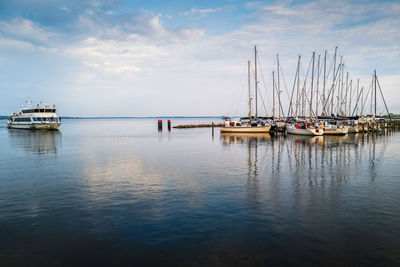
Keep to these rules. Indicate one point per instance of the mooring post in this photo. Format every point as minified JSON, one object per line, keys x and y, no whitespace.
{"x":169,"y":125}
{"x":212,"y":127}
{"x":159,"y":125}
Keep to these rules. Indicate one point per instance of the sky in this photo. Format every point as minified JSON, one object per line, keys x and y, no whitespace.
{"x":184,"y":57}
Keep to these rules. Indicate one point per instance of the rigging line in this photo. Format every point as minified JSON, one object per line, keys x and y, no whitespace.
{"x":309,"y":102}
{"x":332,"y":88}
{"x":383,"y":98}
{"x":258,"y":90}
{"x":262,"y":99}
{"x":241,"y":95}
{"x":305,"y":80}
{"x":358,"y":99}
{"x":291,"y":98}
{"x":262,"y":75}
{"x":366,"y":98}
{"x":284,"y":82}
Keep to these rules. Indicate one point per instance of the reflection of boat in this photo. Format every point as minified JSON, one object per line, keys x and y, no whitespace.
{"x":40,"y":117}
{"x":233,"y":138}
{"x":306,"y":139}
{"x":40,"y":142}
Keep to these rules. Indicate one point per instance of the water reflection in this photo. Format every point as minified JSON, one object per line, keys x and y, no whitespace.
{"x":311,"y":160}
{"x":37,"y":142}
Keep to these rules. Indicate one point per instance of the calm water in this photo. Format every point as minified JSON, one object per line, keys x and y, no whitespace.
{"x":118,"y":192}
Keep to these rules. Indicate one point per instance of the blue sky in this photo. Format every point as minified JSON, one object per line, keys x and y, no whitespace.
{"x":149,"y":58}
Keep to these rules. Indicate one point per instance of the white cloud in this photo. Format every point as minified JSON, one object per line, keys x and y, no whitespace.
{"x":201,"y":12}
{"x":25,"y":30}
{"x":66,"y":9}
{"x":115,"y":55}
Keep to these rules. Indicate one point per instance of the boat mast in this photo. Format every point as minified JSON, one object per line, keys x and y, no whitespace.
{"x":375,"y":90}
{"x":362,"y":102}
{"x":323,"y":94}
{"x":255,"y":76}
{"x":345,"y":97}
{"x":273,"y":94}
{"x":248,"y":75}
{"x":372,"y":92}
{"x":312,"y":84}
{"x":316,"y":108}
{"x":279,"y":88}
{"x":333,"y":78}
{"x":358,"y":92}
{"x":340,"y":92}
{"x":298,"y":87}
{"x":351,"y":95}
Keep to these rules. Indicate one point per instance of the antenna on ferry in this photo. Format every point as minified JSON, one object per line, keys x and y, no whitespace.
{"x":28,"y":101}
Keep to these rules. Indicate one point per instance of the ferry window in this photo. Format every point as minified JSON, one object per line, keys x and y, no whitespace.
{"x":48,"y":110}
{"x":36,"y":110}
{"x":54,"y":110}
{"x":42,"y":110}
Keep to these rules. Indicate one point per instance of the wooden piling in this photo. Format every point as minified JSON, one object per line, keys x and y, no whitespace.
{"x":159,"y":125}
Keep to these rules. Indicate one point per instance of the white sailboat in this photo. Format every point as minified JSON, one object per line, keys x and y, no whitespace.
{"x":250,"y":124}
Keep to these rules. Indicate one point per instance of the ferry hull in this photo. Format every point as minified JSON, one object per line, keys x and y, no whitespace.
{"x":309,"y":132}
{"x":239,"y":129}
{"x":34,"y":126}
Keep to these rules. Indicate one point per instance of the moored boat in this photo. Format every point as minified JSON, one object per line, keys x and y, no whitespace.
{"x":251,"y":124}
{"x":333,"y":128}
{"x":239,"y":126}
{"x":304,"y":130}
{"x":40,"y":117}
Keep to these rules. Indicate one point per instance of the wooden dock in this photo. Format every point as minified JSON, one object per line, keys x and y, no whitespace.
{"x":209,"y":125}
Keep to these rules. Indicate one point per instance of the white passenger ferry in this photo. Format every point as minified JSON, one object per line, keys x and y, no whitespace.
{"x":40,"y":117}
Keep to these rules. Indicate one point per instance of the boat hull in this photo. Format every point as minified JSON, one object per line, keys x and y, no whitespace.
{"x":336,"y":131}
{"x":353,"y":129}
{"x":240,"y":129}
{"x":34,"y":126}
{"x":309,"y":132}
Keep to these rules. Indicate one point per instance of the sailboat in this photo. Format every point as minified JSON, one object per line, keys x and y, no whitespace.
{"x":303,"y":126}
{"x":250,"y":124}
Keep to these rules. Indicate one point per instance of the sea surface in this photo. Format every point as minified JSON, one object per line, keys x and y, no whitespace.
{"x":115,"y":192}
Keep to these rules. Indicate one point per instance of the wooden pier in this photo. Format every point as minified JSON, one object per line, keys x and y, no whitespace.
{"x":208,"y":125}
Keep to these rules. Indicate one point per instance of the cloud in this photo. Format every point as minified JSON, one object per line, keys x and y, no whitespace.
{"x":200,"y":12}
{"x":115,"y":55}
{"x":25,"y":30}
